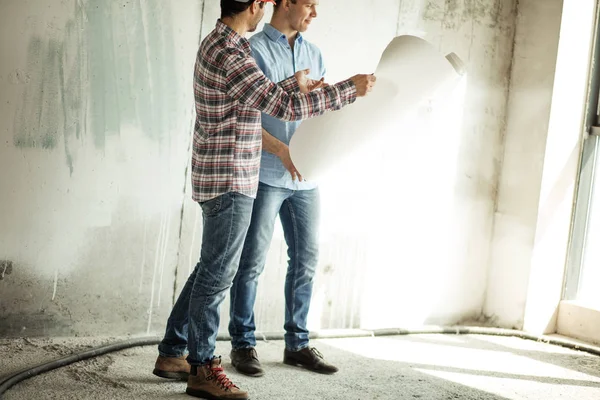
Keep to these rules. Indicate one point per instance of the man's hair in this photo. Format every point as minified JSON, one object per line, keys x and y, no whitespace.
{"x":279,"y":2}
{"x":231,"y":8}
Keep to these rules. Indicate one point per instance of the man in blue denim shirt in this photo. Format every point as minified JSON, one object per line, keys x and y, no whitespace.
{"x":280,"y":51}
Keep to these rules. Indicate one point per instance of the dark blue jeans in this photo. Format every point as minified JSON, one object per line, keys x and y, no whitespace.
{"x":194,"y":320}
{"x":299,"y":215}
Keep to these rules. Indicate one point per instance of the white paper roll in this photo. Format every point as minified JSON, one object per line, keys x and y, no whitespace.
{"x":410,"y":71}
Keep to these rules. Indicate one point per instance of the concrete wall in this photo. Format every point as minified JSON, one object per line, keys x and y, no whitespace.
{"x":445,"y":181}
{"x":516,"y":214}
{"x":562,"y":157}
{"x":542,"y":154}
{"x":95,"y":121}
{"x":96,"y":118}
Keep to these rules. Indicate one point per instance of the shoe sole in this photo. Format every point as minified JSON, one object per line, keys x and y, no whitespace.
{"x":205,"y":395}
{"x":180,"y":376}
{"x":297,"y":364}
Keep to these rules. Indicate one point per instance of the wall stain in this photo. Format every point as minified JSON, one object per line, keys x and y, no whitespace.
{"x":113,"y":64}
{"x":455,"y":13}
{"x":6,"y":268}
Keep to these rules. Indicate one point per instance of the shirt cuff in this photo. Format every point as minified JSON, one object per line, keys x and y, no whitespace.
{"x":347,"y":90}
{"x":290,"y":85}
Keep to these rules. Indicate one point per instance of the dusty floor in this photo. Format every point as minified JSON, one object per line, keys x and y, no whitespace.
{"x":429,"y":367}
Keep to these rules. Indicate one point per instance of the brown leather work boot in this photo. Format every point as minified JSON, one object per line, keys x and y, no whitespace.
{"x":172,"y":368}
{"x":210,"y":382}
{"x":309,"y":358}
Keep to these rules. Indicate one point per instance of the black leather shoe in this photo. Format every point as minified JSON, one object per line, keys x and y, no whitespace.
{"x":309,"y":358}
{"x":245,"y":361}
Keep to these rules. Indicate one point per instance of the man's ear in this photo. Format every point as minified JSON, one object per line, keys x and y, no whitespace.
{"x":255,"y":6}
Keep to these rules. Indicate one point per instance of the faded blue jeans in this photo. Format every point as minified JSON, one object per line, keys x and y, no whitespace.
{"x":299,"y":215}
{"x":194,"y":320}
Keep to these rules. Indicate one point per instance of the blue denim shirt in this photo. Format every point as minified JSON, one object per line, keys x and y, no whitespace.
{"x":275,"y":58}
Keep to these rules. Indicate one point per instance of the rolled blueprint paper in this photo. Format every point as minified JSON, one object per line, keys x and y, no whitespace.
{"x":410,"y":71}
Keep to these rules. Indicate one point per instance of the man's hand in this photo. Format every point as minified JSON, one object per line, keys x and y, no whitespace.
{"x":284,"y":156}
{"x":364,"y":84}
{"x":275,"y":146}
{"x":306,"y":84}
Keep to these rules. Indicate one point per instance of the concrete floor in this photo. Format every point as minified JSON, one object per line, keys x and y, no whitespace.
{"x":429,"y":367}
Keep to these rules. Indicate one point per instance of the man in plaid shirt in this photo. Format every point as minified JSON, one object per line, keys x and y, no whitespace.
{"x":231,"y":92}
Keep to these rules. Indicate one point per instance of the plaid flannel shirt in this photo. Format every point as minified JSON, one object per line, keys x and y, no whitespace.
{"x":230,"y":92}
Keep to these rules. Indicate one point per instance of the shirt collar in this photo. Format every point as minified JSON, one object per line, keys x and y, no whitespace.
{"x":233,"y":36}
{"x":275,"y":35}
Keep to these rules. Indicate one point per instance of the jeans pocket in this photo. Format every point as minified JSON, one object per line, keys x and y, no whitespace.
{"x":212,"y":206}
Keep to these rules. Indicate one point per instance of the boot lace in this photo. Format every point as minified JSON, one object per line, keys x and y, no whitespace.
{"x":218,"y":374}
{"x":316,"y":352}
{"x":250,"y":354}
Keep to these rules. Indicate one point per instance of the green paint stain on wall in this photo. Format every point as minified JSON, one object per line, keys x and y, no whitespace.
{"x":134,"y":78}
{"x":112,"y":65}
{"x":53,"y":106}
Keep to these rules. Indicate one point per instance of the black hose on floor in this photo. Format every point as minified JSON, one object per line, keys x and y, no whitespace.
{"x":12,"y":380}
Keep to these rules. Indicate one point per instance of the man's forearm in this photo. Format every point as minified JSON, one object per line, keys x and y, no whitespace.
{"x":271,"y":144}
{"x":290,"y":87}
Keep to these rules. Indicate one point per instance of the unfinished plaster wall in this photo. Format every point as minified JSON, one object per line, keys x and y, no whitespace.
{"x":97,"y":219}
{"x":530,"y":100}
{"x":447,"y":181}
{"x":95,"y":124}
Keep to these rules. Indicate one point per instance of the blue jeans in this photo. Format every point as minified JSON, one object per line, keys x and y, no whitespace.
{"x":194,"y":321}
{"x":299,"y":215}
